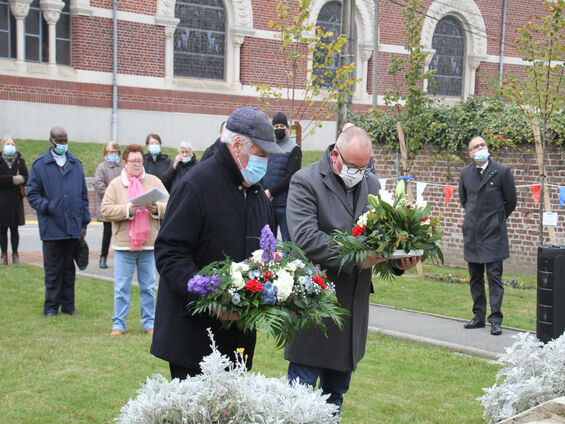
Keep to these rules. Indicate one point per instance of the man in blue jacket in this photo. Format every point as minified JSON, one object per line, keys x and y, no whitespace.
{"x":57,"y":191}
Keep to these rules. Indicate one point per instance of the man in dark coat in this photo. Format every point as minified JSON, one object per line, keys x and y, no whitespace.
{"x":155,"y":162}
{"x":213,"y":148}
{"x":184,"y":162}
{"x":328,"y":195}
{"x":280,"y":170}
{"x":488,"y":195}
{"x":218,"y":209}
{"x":57,"y":191}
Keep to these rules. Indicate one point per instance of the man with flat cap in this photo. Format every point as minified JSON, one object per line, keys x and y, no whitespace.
{"x":220,"y":210}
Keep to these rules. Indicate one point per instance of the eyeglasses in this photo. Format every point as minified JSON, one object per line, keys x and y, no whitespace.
{"x":135,"y":162}
{"x":478,"y":146}
{"x":352,"y":170}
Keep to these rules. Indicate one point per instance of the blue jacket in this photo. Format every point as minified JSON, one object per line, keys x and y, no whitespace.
{"x":59,"y":197}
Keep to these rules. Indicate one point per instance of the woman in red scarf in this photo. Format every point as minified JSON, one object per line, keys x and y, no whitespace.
{"x":134,"y":229}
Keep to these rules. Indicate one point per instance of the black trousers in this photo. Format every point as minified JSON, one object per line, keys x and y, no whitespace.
{"x":182,"y":373}
{"x":495,"y":288}
{"x":59,"y":275}
{"x":14,"y":238}
{"x":106,"y":237}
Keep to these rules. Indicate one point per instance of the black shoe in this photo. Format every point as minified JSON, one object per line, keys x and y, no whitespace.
{"x":72,"y":313}
{"x":495,"y":329}
{"x":51,"y":315}
{"x":102,"y":262}
{"x":15,"y":258}
{"x":475,"y":323}
{"x":4,"y":260}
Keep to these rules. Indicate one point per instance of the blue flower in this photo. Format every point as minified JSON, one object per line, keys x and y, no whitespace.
{"x":269,"y":293}
{"x":235,"y":299}
{"x":202,"y":285}
{"x":268,"y":243}
{"x":254,"y":274}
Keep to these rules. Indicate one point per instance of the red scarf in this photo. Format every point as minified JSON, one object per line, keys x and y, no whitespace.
{"x":139,"y":228}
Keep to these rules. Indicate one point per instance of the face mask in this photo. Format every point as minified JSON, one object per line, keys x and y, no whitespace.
{"x":186,"y":159}
{"x":280,"y":133}
{"x":481,"y":155}
{"x":154,"y":149}
{"x":255,"y":170}
{"x":61,"y":149}
{"x":10,"y":149}
{"x":348,"y":179}
{"x":113,"y":158}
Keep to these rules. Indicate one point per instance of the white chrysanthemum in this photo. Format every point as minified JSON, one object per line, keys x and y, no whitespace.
{"x":363,"y":219}
{"x":237,"y":281}
{"x":386,"y":196}
{"x":284,"y":283}
{"x":238,"y":266}
{"x":257,"y":256}
{"x":293,"y":265}
{"x":421,"y":203}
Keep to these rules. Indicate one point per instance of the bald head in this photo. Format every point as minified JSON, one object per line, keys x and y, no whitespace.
{"x":353,"y":149}
{"x":57,"y":132}
{"x":355,"y":136}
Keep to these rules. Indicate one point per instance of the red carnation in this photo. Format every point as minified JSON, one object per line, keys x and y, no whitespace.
{"x":267,"y":275}
{"x":358,"y":230}
{"x":254,"y":286}
{"x":319,"y":280}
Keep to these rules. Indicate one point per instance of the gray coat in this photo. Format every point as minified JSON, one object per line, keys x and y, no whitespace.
{"x":317,"y":204}
{"x":104,"y":174}
{"x":488,"y":202}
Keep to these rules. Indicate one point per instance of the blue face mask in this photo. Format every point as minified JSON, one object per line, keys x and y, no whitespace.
{"x":154,"y":149}
{"x":61,"y":149}
{"x":10,"y":149}
{"x":255,"y":170}
{"x":481,"y":155}
{"x":113,"y":158}
{"x":186,"y":159}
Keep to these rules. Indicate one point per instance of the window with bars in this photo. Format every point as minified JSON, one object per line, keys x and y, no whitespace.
{"x":329,"y":20}
{"x":7,"y":31}
{"x":448,"y":60}
{"x":199,"y":42}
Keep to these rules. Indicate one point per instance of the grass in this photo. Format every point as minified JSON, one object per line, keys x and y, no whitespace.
{"x":90,"y":154}
{"x":68,"y":370}
{"x":423,"y":294}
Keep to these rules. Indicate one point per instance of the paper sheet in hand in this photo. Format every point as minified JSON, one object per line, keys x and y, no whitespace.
{"x":153,"y":195}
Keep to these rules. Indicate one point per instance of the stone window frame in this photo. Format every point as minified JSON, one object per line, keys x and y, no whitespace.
{"x":474,"y":30}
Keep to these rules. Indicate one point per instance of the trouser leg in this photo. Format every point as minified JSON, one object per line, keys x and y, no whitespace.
{"x":106,"y":237}
{"x":495,"y":291}
{"x":69,"y":275}
{"x":14,"y":238}
{"x":53,"y":265}
{"x":477,"y":285}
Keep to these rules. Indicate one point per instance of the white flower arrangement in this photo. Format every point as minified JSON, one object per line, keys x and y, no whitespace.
{"x":226,"y":393}
{"x":533,"y":373}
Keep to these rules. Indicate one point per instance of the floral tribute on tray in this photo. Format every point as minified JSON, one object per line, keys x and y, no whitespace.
{"x":394,"y":228}
{"x":278,"y":290}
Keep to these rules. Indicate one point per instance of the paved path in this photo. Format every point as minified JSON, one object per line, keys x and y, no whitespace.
{"x":402,"y":324}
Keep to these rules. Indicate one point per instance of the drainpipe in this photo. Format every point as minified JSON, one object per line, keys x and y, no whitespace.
{"x":115,"y":71}
{"x":376,"y":57}
{"x":501,"y":69}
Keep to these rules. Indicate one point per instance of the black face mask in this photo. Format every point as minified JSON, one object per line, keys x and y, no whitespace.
{"x":280,"y":133}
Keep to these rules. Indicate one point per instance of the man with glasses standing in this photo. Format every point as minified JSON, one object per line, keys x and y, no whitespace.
{"x":488,"y":194}
{"x":56,"y":189}
{"x":327,"y":195}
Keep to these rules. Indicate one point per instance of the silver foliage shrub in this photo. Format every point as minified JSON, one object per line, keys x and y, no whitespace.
{"x":226,"y":393}
{"x":533,"y":373}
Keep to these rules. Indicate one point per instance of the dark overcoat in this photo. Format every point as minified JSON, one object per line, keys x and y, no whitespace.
{"x":12,"y":210}
{"x":158,"y":166}
{"x":488,"y":202}
{"x":171,"y":177}
{"x":209,"y":215}
{"x":317,"y":205}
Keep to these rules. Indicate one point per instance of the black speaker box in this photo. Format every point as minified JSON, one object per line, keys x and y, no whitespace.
{"x":551,"y":292}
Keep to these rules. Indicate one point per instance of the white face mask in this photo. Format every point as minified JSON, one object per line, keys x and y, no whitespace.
{"x":350,"y":180}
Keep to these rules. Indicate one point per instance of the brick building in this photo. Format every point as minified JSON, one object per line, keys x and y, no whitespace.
{"x":183,"y":66}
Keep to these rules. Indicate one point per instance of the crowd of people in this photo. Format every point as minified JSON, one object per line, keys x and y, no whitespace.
{"x":249,"y":177}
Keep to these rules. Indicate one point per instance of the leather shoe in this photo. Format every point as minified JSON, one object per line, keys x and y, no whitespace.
{"x":51,"y":315}
{"x":116,"y":332}
{"x":102,"y":264}
{"x":15,"y":258}
{"x":495,"y":329}
{"x":72,"y":313}
{"x":475,"y":323}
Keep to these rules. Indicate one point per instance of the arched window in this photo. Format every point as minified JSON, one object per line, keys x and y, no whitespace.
{"x":199,"y":41}
{"x":329,"y":19}
{"x":7,"y":31}
{"x":448,"y":60}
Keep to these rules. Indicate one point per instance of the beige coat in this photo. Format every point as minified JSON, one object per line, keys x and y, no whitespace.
{"x":115,"y":209}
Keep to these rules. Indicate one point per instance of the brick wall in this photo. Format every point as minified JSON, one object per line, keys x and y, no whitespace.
{"x":523,"y":224}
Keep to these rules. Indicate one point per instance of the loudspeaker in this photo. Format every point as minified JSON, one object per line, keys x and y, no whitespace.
{"x":551,"y":292}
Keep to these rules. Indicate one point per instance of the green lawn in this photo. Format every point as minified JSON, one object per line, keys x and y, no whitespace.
{"x":68,"y":370}
{"x":91,"y":153}
{"x":423,"y":294}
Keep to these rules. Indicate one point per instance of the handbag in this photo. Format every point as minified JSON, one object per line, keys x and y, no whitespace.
{"x":81,"y":254}
{"x":21,"y":186}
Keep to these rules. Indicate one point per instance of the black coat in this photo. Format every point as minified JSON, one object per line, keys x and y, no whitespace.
{"x":158,"y":166}
{"x":12,"y":209}
{"x":487,"y":203}
{"x":171,"y":177}
{"x":208,"y":216}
